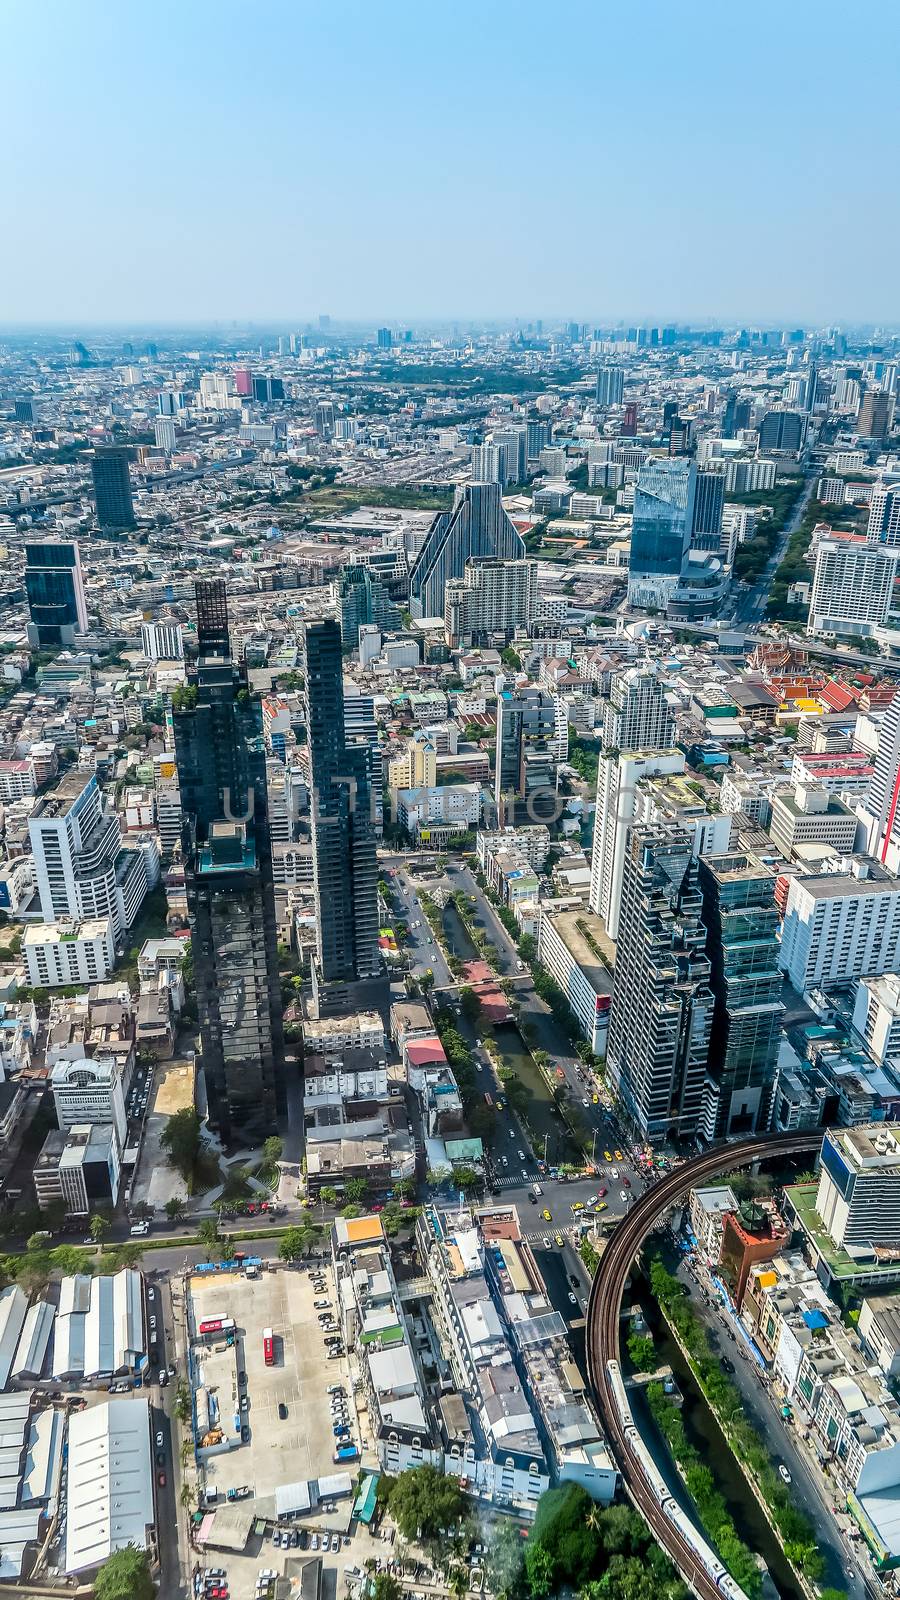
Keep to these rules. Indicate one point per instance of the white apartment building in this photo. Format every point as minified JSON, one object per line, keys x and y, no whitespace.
{"x":491,"y":597}
{"x":163,"y":640}
{"x":618,"y":777}
{"x":168,"y":803}
{"x":75,"y":840}
{"x":361,"y":1030}
{"x":884,"y":514}
{"x":858,"y":1198}
{"x":89,"y":1092}
{"x":569,"y":947}
{"x":876,"y":1015}
{"x":69,"y":953}
{"x":17,"y":779}
{"x":841,"y":925}
{"x":853,"y":586}
{"x":456,"y":804}
{"x":811,"y":816}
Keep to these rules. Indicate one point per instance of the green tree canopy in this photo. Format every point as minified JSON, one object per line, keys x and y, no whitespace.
{"x":125,"y":1576}
{"x":424,"y":1503}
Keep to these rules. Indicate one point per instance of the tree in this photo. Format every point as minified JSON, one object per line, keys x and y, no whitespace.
{"x":208,"y":1234}
{"x":384,"y":1586}
{"x":175,"y":1208}
{"x":424,"y":1503}
{"x":405,"y":1188}
{"x":466,"y":1179}
{"x":272,"y":1153}
{"x":356,"y":1191}
{"x":562,"y":1545}
{"x":294,"y":1242}
{"x":99,"y":1227}
{"x":180,"y":1139}
{"x":143,"y":1210}
{"x":505,"y":1562}
{"x":469,"y":1005}
{"x":328,"y":1196}
{"x":125,"y":1576}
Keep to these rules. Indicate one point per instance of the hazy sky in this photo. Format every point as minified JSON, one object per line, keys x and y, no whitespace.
{"x":193,"y":160}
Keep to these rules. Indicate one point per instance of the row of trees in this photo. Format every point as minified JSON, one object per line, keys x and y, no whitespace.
{"x":797,"y":1533}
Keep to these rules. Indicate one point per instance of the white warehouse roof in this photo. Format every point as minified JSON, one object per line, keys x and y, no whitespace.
{"x":33,"y":1341}
{"x":110,"y":1496}
{"x":13,"y":1306}
{"x":114,"y":1325}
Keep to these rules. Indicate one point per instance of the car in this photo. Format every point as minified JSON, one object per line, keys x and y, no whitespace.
{"x":160,"y":1441}
{"x":314,"y":1542}
{"x":161,"y":1479}
{"x":335,"y":1541}
{"x":336,"y":1388}
{"x":573,"y":1298}
{"x":160,"y":1459}
{"x":276,"y":1538}
{"x":587,"y":1104}
{"x":320,"y":1305}
{"x":245,"y":1435}
{"x":595,"y":1099}
{"x":521,"y":1154}
{"x":623,"y":1194}
{"x":546,"y":1243}
{"x":601,"y":1192}
{"x":783,"y":1473}
{"x":152,"y":1323}
{"x":558,"y":1240}
{"x":245,"y":1402}
{"x":546,"y":1215}
{"x":614,"y":1172}
{"x":618,"y":1155}
{"x":601,"y":1206}
{"x":607,"y":1155}
{"x":512,"y":1133}
{"x":505,"y":1161}
{"x":294,"y":1538}
{"x":574,"y":1280}
{"x":728,"y":1365}
{"x":282,"y":1410}
{"x":576,"y":1206}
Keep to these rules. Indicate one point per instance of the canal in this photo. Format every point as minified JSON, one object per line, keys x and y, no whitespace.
{"x":543,"y":1116}
{"x":704,"y":1433}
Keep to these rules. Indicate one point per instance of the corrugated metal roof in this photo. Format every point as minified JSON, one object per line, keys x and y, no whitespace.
{"x":110,"y":1495}
{"x":31,"y":1352}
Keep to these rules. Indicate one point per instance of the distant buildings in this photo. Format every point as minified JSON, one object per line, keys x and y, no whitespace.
{"x":782,"y":430}
{"x":875,"y":414}
{"x":661,"y":530}
{"x":162,"y":641}
{"x":228,"y":881}
{"x":610,"y":386}
{"x":112,"y":486}
{"x":492,"y":598}
{"x":477,"y":526}
{"x":853,"y":588}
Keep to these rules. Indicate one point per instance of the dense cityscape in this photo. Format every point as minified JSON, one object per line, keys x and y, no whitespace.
{"x":449,"y":803}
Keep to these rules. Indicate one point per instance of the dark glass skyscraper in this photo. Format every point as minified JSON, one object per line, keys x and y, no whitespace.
{"x":55,"y":590}
{"x":228,"y":879}
{"x":112,"y":487}
{"x":343,"y":833}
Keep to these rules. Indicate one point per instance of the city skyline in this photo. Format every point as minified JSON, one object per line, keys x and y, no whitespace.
{"x":227,"y":173}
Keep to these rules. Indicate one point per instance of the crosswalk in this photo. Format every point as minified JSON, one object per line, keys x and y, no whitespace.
{"x":535,"y":1235}
{"x":509,"y":1180}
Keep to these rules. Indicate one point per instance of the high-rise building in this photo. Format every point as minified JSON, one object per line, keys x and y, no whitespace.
{"x":513,"y":446}
{"x":610,"y":386}
{"x":162,"y":640}
{"x":630,"y":421}
{"x":742,"y":927}
{"x":383,"y":339}
{"x":488,"y":462}
{"x":23,"y":410}
{"x":736,"y":416}
{"x":169,"y":402}
{"x":527,"y":755}
{"x":875,"y":414}
{"x":853,"y":587}
{"x":227,"y":857}
{"x":619,"y":775}
{"x":55,"y":588}
{"x":268,"y":390}
{"x":477,"y":526}
{"x":363,"y":599}
{"x":243,"y":381}
{"x":884,"y":514}
{"x":492,"y":597}
{"x":637,"y":715}
{"x":709,"y":503}
{"x":537,"y":438}
{"x":76,"y":840}
{"x":881,"y":813}
{"x":840,"y":926}
{"x":343,"y":833}
{"x":164,"y":434}
{"x":782,"y":430}
{"x":661,"y":526}
{"x":112,"y":486}
{"x":662,"y":1006}
{"x":858,"y":1198}
{"x":323,"y":419}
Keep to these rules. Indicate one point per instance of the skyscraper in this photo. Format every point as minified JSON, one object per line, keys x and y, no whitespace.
{"x":742,"y":927}
{"x":112,"y":486}
{"x":881,"y":813}
{"x":661,"y":1014}
{"x":782,"y":430}
{"x":875,"y":414}
{"x":610,"y":386}
{"x":343,"y":834}
{"x":661,"y":529}
{"x":630,"y":421}
{"x":492,"y":597}
{"x":363,"y":599}
{"x":227,"y":856}
{"x":884,"y":514}
{"x":527,"y":754}
{"x":709,"y":503}
{"x":477,"y":526}
{"x":383,"y":338}
{"x":243,"y":381}
{"x":55,"y":588}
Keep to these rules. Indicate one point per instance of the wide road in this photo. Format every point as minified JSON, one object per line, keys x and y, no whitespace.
{"x":751,"y":599}
{"x":603,"y":1327}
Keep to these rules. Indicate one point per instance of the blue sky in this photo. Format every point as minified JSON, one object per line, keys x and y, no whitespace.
{"x":196,"y":160}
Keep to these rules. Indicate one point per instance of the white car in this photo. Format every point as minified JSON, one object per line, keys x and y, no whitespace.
{"x":586,"y":1104}
{"x":614,"y":1172}
{"x":623,"y":1195}
{"x":159,"y":1441}
{"x":521,"y":1154}
{"x":547,"y":1244}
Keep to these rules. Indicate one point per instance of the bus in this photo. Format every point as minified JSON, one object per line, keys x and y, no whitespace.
{"x":213,"y":1325}
{"x":268,"y":1347}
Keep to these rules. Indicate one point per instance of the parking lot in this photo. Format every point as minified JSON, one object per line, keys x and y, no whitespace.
{"x":288,"y":1410}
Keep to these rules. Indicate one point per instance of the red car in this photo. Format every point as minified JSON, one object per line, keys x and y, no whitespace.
{"x":161,"y":1479}
{"x":627,"y":1182}
{"x":602,"y":1191}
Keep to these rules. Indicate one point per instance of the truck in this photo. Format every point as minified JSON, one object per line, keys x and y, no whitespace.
{"x":346,"y":1452}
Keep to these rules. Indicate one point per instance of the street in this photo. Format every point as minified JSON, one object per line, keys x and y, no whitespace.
{"x":751,"y":602}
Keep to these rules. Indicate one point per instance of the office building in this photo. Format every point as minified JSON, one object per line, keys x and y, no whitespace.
{"x":477,"y":526}
{"x":858,"y":1198}
{"x":63,"y":953}
{"x":637,"y":715}
{"x":661,"y":530}
{"x":709,"y":504}
{"x":363,"y":600}
{"x":884,"y":514}
{"x":488,"y":463}
{"x":227,"y":857}
{"x":54,"y":584}
{"x":164,"y":434}
{"x":527,"y":752}
{"x":853,"y":587}
{"x":89,"y":1091}
{"x":537,"y":437}
{"x":243,"y":381}
{"x":875,"y":414}
{"x":112,"y":486}
{"x":383,"y":339}
{"x":630,"y":421}
{"x":169,"y":402}
{"x":880,"y":814}
{"x":492,"y":597}
{"x":808,"y":814}
{"x":610,"y":386}
{"x":736,"y":416}
{"x":742,"y":926}
{"x":662,"y":1006}
{"x":343,"y":836}
{"x":162,"y":640}
{"x":323,"y":419}
{"x":76,"y":842}
{"x":267,"y":390}
{"x":782,"y":430}
{"x":619,"y":775}
{"x":513,"y":446}
{"x":839,"y":926}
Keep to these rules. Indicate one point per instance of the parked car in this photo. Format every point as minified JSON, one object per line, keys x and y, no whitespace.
{"x":282,"y":1410}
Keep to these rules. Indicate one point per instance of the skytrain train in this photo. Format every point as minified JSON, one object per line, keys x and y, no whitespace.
{"x":663,"y":1494}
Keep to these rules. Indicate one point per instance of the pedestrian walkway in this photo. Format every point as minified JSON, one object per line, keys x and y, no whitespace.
{"x":508,"y":1181}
